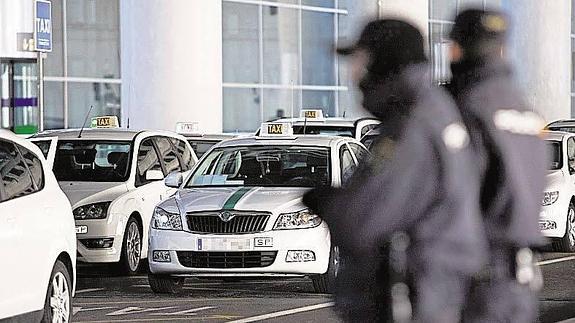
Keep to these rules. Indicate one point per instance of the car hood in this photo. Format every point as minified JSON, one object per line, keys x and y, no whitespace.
{"x":82,"y":193}
{"x":555,"y":178}
{"x":263,"y":199}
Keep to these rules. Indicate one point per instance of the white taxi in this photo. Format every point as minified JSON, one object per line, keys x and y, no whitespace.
{"x":557,"y":220}
{"x":313,"y":122}
{"x":113,"y":179}
{"x":199,"y":141}
{"x":37,"y":237}
{"x":240,"y":213}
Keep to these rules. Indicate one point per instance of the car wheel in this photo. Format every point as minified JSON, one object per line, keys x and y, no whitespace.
{"x":567,"y":243}
{"x":130,"y":258}
{"x":58,"y":303}
{"x":164,"y":284}
{"x":325,"y":283}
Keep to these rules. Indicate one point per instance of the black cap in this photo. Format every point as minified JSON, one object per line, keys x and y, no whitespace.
{"x":475,"y":27}
{"x":391,"y":43}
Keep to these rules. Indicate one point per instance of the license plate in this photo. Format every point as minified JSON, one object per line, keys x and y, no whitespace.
{"x":224,"y":244}
{"x":81,"y":229}
{"x":263,"y":242}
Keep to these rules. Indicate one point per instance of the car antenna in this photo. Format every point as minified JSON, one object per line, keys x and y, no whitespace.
{"x":304,"y":123}
{"x":86,"y":119}
{"x":344,"y":113}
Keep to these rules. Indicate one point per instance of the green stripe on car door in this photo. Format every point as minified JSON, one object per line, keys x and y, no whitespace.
{"x":236,"y":197}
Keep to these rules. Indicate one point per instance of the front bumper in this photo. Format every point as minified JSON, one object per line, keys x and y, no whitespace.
{"x":316,"y":240}
{"x":553,"y":219}
{"x":100,"y":229}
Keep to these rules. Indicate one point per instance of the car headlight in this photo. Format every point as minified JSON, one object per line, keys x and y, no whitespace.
{"x":550,"y":198}
{"x":163,"y":220}
{"x":95,"y":211}
{"x":298,"y":220}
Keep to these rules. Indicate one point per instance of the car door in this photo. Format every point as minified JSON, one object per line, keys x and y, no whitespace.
{"x":24,"y":229}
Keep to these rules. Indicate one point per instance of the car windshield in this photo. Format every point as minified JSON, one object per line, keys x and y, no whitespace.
{"x":555,"y":154}
{"x":560,"y":128}
{"x":271,"y":166}
{"x":341,"y":131}
{"x":202,"y":146}
{"x":92,"y":161}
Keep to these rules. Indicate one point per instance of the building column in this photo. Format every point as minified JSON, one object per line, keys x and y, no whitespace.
{"x":415,"y":12}
{"x":171,"y":63}
{"x":540,"y":48}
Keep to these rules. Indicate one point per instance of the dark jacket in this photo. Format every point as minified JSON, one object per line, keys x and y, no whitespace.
{"x":422,"y":183}
{"x":511,"y":156}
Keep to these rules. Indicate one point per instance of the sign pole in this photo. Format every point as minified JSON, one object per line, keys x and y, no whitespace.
{"x":41,"y":91}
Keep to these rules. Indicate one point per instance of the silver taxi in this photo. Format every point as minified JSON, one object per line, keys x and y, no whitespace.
{"x":240,"y":213}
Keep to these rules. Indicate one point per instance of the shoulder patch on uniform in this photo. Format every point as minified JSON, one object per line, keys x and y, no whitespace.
{"x":518,"y":122}
{"x":455,"y":137}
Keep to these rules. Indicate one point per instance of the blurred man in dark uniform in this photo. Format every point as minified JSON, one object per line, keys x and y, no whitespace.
{"x":414,"y":199}
{"x":512,"y":160}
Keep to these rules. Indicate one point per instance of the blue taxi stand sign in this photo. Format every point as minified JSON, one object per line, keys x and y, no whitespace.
{"x":42,"y":26}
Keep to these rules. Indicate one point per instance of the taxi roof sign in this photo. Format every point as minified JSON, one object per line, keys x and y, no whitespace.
{"x":312,"y":114}
{"x":276,"y":129}
{"x":105,"y":122}
{"x":187,"y":128}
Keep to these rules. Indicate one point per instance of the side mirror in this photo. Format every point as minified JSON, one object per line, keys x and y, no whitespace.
{"x":154,"y":175}
{"x":174,"y":180}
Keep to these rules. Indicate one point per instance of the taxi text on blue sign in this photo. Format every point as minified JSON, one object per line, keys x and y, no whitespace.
{"x":43,"y":26}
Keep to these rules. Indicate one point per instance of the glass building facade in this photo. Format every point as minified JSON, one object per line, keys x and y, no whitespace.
{"x":278,"y":57}
{"x":83,"y":69}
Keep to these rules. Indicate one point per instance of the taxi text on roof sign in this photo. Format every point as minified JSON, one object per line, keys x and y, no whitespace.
{"x":312,"y":114}
{"x":276,"y":129}
{"x":105,"y":122}
{"x":187,"y":127}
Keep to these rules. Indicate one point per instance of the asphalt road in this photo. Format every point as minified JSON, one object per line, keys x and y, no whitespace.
{"x":104,"y":297}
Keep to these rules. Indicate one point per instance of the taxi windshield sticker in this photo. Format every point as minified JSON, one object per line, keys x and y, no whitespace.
{"x":105,"y":122}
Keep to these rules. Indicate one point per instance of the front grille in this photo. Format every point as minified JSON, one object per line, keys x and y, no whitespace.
{"x":245,"y":259}
{"x":240,"y":223}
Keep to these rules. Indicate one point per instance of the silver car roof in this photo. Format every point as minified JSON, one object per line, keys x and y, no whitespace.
{"x":556,"y":135}
{"x":300,"y":140}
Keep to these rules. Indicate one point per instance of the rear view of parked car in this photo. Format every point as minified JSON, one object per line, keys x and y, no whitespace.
{"x":37,"y":237}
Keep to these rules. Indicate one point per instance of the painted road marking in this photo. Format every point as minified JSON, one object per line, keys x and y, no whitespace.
{"x":138,"y":310}
{"x":163,"y":319}
{"x":193,"y":311}
{"x":76,"y":310}
{"x":89,"y":290}
{"x":162,"y":301}
{"x":284,"y":313}
{"x":554,"y":261}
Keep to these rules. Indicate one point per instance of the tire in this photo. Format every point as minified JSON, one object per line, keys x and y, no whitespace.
{"x":163,"y":284}
{"x":567,"y":243}
{"x":58,"y":303}
{"x":325,"y":283}
{"x":131,"y":255}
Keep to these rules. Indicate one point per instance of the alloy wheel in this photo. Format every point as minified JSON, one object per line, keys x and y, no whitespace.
{"x":60,"y":299}
{"x":134,"y":246}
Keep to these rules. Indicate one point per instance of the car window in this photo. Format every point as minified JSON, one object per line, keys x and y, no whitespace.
{"x":44,"y":146}
{"x":168,"y":155}
{"x":184,"y":153}
{"x":92,"y":161}
{"x":147,"y":160}
{"x":359,"y":152}
{"x":342,"y":131}
{"x":269,"y":166}
{"x":14,"y":173}
{"x":201,"y":146}
{"x":34,"y":166}
{"x":347,"y":163}
{"x":555,"y":153}
{"x":367,"y":128}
